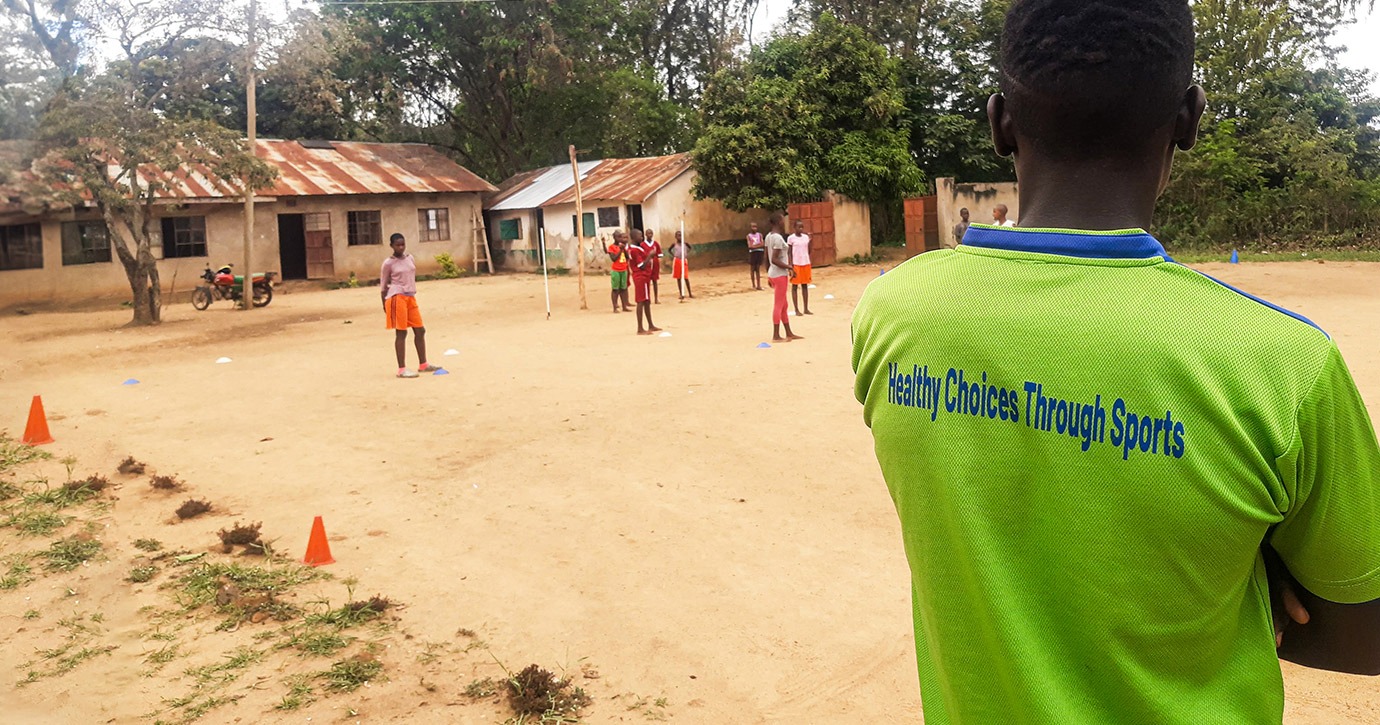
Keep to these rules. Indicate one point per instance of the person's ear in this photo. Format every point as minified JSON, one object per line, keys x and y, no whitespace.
{"x":1003,"y":136}
{"x":1190,"y":117}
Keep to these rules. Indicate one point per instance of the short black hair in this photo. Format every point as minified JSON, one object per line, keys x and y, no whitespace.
{"x":1095,"y":77}
{"x":396,"y":236}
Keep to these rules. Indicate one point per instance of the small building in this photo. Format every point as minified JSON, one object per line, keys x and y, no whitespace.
{"x":327,"y":217}
{"x":643,"y":193}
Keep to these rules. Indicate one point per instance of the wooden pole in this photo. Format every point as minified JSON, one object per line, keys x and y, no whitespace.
{"x":247,"y":291}
{"x":579,"y":227}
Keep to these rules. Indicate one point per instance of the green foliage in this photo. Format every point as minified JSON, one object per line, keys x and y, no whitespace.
{"x":1288,"y":151}
{"x":824,"y":111}
{"x":70,"y":553}
{"x":449,"y":269}
{"x":347,"y":675}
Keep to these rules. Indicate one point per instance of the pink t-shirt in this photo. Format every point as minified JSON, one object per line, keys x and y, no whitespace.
{"x":398,"y":276}
{"x":754,"y":241}
{"x":800,"y":249}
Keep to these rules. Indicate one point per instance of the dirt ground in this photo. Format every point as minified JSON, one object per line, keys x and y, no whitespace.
{"x":691,"y":527}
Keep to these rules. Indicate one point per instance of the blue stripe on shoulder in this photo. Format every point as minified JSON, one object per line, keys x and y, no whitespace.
{"x":1267,"y":303}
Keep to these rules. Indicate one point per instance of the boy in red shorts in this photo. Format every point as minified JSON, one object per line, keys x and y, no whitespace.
{"x":398,"y":289}
{"x":680,"y":270}
{"x":640,"y":256}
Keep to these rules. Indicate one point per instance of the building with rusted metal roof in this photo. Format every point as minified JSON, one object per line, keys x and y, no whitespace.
{"x":328,"y":216}
{"x":642,"y":193}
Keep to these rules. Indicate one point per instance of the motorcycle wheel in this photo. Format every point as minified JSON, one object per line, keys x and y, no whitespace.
{"x":201,"y":298}
{"x":263,"y":294}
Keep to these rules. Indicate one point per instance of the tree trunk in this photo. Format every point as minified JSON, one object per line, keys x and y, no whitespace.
{"x":141,"y":269}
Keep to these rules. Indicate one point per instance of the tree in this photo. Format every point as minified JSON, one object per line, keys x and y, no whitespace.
{"x":1288,"y":149}
{"x":110,"y":142}
{"x":807,"y":113}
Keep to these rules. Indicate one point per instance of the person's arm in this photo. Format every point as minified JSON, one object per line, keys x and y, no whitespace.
{"x":781,"y":253}
{"x":385,"y":272}
{"x":1329,"y":540}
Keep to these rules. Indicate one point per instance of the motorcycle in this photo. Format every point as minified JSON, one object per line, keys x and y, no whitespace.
{"x":224,"y":284}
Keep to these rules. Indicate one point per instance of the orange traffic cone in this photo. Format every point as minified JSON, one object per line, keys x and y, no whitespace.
{"x":36,"y":432}
{"x":318,"y":551}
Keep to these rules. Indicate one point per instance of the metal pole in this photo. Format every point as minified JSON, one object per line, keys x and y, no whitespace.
{"x":546,"y":282}
{"x":579,"y":227}
{"x":685,"y":263}
{"x":247,"y":291}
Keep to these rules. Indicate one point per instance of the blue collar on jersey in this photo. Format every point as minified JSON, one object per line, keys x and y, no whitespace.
{"x":1124,"y":244}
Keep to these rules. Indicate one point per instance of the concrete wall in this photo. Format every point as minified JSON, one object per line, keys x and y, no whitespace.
{"x":978,"y":199}
{"x":56,"y":282}
{"x":852,"y":226}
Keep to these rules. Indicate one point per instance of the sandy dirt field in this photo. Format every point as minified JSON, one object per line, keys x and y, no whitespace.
{"x":660,"y":519}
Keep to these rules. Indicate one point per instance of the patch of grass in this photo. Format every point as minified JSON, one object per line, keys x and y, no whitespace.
{"x":14,"y":453}
{"x":535,"y":692}
{"x":352,"y":613}
{"x":9,"y":490}
{"x":166,"y":483}
{"x":860,"y":259}
{"x":199,"y":586}
{"x":32,"y":614}
{"x":59,"y":498}
{"x":192,"y":508}
{"x":148,"y":544}
{"x":227,"y":671}
{"x":347,"y":675}
{"x":36,"y":523}
{"x":64,"y":659}
{"x":141,"y":574}
{"x":480,"y":689}
{"x":19,"y":573}
{"x":70,"y":553}
{"x":131,"y":467}
{"x":1326,"y":255}
{"x":298,"y":695}
{"x":318,"y":643}
{"x":197,"y":711}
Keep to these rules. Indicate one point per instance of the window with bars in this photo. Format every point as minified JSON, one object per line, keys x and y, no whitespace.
{"x":365,"y":227}
{"x":608,"y":216}
{"x":184,"y":236}
{"x":433,"y":225}
{"x":21,"y":246}
{"x":85,"y":243}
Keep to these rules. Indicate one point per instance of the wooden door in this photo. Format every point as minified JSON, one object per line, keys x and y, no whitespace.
{"x":320,"y":254}
{"x":922,"y":224}
{"x":819,"y":224}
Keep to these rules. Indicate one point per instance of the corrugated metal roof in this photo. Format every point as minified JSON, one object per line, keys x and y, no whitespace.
{"x":631,"y":180}
{"x":353,"y":167}
{"x":344,"y":167}
{"x":531,"y":189}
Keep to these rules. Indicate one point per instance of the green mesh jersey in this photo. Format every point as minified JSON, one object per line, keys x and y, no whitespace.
{"x":1086,"y":444}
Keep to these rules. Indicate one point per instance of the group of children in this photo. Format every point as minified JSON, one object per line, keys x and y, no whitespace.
{"x":635,"y":260}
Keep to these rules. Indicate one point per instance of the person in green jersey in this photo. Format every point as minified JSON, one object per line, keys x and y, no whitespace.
{"x":1106,"y":464}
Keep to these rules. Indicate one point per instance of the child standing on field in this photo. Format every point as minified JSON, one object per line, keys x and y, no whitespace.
{"x":656,"y":252}
{"x":680,"y":270}
{"x":779,"y":275}
{"x":757,"y":254}
{"x":801,"y":275}
{"x":618,"y":259}
{"x":398,"y":289}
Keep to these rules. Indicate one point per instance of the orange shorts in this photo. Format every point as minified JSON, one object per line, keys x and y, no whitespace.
{"x":678,"y":269}
{"x":803,"y":275}
{"x":401,"y":312}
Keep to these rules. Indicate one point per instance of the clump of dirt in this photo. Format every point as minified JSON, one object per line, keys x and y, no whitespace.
{"x":131,"y":467}
{"x":192,"y":508}
{"x":376,"y":604}
{"x":94,"y":483}
{"x":246,"y":535}
{"x":535,"y":692}
{"x":166,"y":483}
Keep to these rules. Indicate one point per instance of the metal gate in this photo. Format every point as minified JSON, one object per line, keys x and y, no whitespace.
{"x":819,"y":224}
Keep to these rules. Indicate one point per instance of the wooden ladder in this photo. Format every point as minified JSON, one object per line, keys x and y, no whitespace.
{"x":481,"y":246}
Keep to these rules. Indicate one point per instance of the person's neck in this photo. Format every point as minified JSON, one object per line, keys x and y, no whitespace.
{"x":1096,"y":196}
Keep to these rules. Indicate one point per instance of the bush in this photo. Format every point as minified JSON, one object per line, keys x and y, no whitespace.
{"x":449,"y":269}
